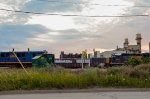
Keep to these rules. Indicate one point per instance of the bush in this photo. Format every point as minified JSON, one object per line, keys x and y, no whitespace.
{"x":145,"y":60}
{"x":133,"y":62}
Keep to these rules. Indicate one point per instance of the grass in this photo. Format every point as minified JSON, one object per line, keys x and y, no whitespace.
{"x":59,"y":78}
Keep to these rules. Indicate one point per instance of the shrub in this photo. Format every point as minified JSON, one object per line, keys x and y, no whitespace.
{"x":145,"y":60}
{"x":133,"y":62}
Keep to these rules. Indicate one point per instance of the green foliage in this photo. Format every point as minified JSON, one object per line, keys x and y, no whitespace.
{"x":145,"y":60}
{"x":42,"y":61}
{"x":135,"y":62}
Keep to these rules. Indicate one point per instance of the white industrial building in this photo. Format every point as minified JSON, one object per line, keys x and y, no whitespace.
{"x":108,"y":54}
{"x":126,"y":49}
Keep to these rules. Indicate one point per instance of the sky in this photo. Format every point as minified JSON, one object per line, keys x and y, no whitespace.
{"x":72,"y":34}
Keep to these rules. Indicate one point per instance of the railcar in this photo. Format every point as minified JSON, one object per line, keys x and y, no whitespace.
{"x":121,"y":59}
{"x":97,"y":62}
{"x":146,"y":55}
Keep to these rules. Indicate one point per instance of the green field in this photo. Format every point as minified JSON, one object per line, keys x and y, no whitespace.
{"x":59,"y":78}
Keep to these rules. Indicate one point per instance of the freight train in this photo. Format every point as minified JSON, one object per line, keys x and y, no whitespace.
{"x":124,"y":58}
{"x":114,"y":60}
{"x":27,"y":58}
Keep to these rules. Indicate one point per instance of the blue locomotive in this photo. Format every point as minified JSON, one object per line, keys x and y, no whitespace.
{"x":9,"y":59}
{"x":118,"y":59}
{"x":121,"y":59}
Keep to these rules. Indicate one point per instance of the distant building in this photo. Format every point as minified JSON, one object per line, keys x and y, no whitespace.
{"x":70,"y":55}
{"x":96,"y":54}
{"x":136,"y":49}
{"x":108,"y":54}
{"x":133,"y":48}
{"x":90,"y":55}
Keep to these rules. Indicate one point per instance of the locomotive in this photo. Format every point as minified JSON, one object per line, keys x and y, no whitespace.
{"x":121,"y":59}
{"x":9,"y":59}
{"x":114,"y":60}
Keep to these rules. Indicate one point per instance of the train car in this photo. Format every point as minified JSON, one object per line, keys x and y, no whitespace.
{"x":9,"y":59}
{"x":98,"y":62}
{"x":145,"y":55}
{"x":72,"y":63}
{"x":120,"y":59}
{"x":66,"y":63}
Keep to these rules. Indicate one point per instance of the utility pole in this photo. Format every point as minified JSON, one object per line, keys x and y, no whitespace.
{"x":89,"y":63}
{"x":82,"y":62}
{"x":19,"y":61}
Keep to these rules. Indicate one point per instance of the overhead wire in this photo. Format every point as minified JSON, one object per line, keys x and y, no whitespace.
{"x":73,"y":15}
{"x":77,"y":15}
{"x":79,"y":3}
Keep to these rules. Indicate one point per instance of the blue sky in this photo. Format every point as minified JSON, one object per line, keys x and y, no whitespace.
{"x":72,"y":34}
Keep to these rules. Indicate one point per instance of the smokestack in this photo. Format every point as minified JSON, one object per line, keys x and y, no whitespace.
{"x":126,"y":43}
{"x":117,"y":47}
{"x":28,"y":49}
{"x":94,"y":50}
{"x":138,"y":39}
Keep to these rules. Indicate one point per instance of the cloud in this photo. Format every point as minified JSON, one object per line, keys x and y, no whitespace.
{"x":47,"y":6}
{"x":6,"y":16}
{"x":41,"y":6}
{"x":57,"y":40}
{"x":142,"y":2}
{"x":69,"y":35}
{"x":125,"y":28}
{"x":18,"y":33}
{"x":139,"y":10}
{"x":114,"y":30}
{"x":75,"y":34}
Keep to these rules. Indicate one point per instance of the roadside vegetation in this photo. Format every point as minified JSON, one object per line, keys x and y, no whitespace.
{"x":59,"y":78}
{"x":135,"y":62}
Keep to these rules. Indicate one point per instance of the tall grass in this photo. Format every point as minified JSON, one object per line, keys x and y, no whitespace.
{"x":59,"y":78}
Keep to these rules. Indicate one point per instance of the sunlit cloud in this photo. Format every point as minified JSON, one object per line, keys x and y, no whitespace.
{"x":54,"y":22}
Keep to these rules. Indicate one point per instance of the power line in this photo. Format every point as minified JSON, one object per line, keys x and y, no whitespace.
{"x":82,"y":3}
{"x":73,"y":15}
